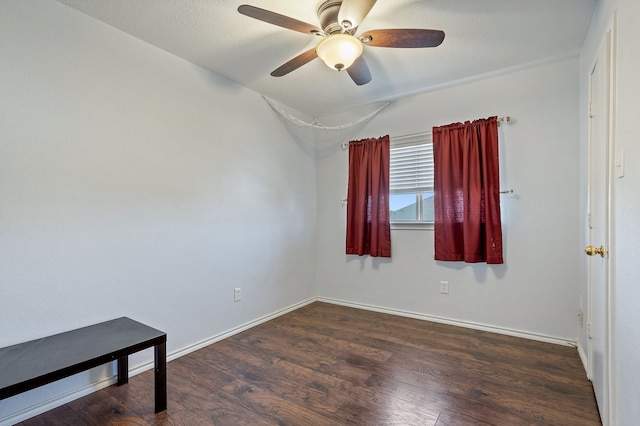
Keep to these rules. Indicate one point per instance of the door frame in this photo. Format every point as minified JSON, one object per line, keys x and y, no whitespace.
{"x":608,"y":42}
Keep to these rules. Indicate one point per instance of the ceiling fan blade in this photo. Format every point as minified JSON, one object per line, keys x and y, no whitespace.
{"x":295,"y":63}
{"x":277,"y":19}
{"x":359,"y":72}
{"x":354,"y":12}
{"x":403,"y":38}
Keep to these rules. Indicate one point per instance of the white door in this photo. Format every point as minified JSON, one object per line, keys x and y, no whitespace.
{"x":598,"y":227}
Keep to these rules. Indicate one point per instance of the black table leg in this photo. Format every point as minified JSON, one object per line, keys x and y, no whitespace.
{"x":160,"y":376}
{"x":123,"y":371}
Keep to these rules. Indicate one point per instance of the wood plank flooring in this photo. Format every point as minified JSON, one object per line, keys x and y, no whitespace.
{"x":332,"y":365}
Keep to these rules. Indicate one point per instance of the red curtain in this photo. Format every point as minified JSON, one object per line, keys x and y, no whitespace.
{"x":368,"y":225}
{"x":467,"y":192}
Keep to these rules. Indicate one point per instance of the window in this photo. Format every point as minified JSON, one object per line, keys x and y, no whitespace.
{"x":411,"y":180}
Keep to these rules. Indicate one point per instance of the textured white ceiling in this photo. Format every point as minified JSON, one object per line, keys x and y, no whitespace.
{"x":483,"y":37}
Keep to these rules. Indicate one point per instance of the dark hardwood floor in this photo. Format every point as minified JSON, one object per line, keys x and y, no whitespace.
{"x":332,"y":365}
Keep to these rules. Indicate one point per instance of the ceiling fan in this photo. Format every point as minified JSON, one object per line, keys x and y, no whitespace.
{"x":339,"y":47}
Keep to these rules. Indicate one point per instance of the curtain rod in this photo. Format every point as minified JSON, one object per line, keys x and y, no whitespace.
{"x":505,"y":119}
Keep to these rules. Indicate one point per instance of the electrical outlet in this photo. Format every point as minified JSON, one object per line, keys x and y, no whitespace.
{"x":581,"y":318}
{"x":237,"y":294}
{"x":580,"y":312}
{"x":444,"y":287}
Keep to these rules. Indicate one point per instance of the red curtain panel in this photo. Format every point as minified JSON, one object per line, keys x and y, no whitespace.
{"x":368,"y":224}
{"x":467,"y":192}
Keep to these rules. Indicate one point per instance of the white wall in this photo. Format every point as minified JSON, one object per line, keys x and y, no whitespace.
{"x":626,"y":196}
{"x":134,"y":183}
{"x":536,"y":290}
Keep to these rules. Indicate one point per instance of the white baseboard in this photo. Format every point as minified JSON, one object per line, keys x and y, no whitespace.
{"x":62,"y":399}
{"x":233,"y":331}
{"x":459,"y":323}
{"x":584,"y":359}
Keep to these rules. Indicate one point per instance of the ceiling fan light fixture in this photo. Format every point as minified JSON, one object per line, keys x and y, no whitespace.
{"x":339,"y":51}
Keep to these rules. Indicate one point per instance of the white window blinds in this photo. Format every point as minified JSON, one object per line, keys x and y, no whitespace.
{"x":411,"y":166}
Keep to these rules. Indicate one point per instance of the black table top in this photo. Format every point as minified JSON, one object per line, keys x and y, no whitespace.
{"x":70,"y":350}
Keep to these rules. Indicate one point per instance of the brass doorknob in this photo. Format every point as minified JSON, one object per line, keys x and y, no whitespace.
{"x":592,"y":251}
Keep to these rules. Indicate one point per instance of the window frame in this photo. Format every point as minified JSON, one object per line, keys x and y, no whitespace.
{"x":424,"y":138}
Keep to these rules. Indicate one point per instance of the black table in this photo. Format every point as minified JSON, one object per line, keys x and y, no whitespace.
{"x":27,"y":365}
